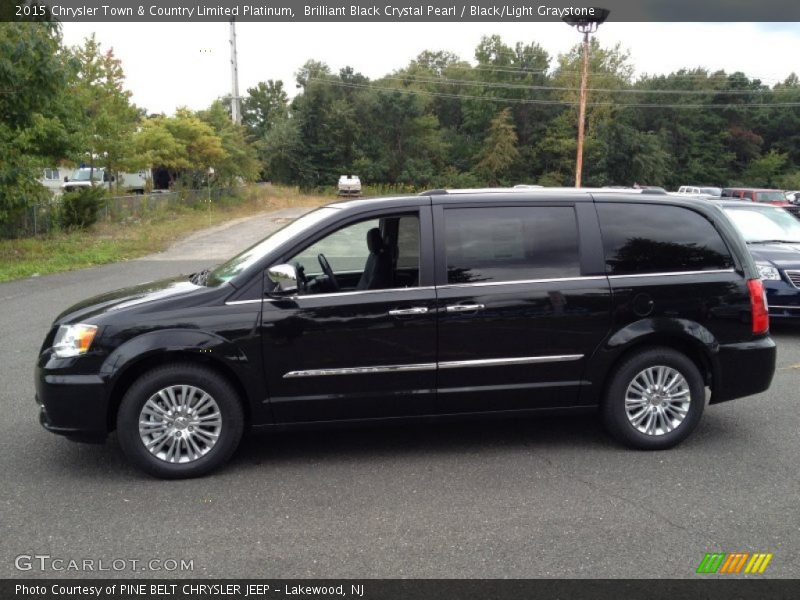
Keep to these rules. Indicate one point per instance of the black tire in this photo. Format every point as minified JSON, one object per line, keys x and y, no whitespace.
{"x":613,"y":408}
{"x":206,"y":380}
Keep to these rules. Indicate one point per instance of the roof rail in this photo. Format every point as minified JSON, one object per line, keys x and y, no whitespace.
{"x":534,"y":189}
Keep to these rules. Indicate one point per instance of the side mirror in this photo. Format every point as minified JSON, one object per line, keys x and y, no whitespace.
{"x":284,"y":277}
{"x":66,"y":179}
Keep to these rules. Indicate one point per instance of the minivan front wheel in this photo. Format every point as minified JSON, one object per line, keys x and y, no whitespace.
{"x":655,"y":399}
{"x":179,"y":421}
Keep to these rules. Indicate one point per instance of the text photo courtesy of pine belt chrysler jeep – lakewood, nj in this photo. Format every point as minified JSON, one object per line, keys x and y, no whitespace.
{"x":644,"y":308}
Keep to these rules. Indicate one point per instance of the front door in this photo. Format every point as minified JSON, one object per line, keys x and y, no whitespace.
{"x":363,"y":344}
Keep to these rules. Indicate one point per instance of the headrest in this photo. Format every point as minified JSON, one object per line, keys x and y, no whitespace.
{"x":375,"y":241}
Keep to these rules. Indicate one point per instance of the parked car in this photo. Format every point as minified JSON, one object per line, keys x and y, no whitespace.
{"x":349,"y":185}
{"x":773,"y":197}
{"x":773,"y":237}
{"x":793,"y":196}
{"x":134,"y":183}
{"x":85,"y":177}
{"x":502,"y":302}
{"x":697,"y":190}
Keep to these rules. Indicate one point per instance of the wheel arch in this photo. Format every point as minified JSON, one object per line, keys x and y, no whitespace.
{"x":159,"y":359}
{"x":686,"y":337}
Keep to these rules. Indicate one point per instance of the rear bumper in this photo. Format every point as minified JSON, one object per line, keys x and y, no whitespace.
{"x":72,"y":405}
{"x":744,"y":369}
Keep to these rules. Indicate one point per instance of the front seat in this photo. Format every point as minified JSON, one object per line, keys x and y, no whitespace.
{"x":378,"y":269}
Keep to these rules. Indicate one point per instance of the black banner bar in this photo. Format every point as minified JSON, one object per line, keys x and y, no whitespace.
{"x":734,"y":588}
{"x":445,"y":11}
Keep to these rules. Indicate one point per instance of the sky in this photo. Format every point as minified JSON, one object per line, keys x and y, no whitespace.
{"x":169,"y":65}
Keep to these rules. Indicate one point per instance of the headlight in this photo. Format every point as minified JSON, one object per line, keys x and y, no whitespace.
{"x":73,"y":340}
{"x":767,"y":272}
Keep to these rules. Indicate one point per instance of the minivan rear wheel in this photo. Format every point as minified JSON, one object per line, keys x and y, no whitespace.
{"x":179,"y":421}
{"x":655,"y":399}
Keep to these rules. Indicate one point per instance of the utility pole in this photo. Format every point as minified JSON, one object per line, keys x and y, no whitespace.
{"x":586,"y":25}
{"x":236,"y":112}
{"x":582,"y":111}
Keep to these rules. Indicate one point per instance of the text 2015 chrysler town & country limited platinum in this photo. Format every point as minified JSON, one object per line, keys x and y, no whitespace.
{"x":438,"y":305}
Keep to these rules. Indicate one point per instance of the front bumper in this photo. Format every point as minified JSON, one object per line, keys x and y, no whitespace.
{"x":74,"y":406}
{"x":783,"y":299}
{"x":744,"y":369}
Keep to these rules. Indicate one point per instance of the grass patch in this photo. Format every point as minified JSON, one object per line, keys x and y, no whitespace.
{"x":152,"y":231}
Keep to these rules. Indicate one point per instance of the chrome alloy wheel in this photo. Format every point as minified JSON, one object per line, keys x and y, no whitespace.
{"x":180,"y":424}
{"x":657,"y":400}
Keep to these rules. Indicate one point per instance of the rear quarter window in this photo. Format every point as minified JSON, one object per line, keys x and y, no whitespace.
{"x":648,"y":238}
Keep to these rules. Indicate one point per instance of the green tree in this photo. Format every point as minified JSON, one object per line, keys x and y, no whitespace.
{"x":282,"y":153}
{"x":264,"y":105}
{"x":767,"y":171}
{"x":240,"y":162}
{"x":499,"y":148}
{"x":108,"y":118}
{"x":184,"y":145}
{"x":33,"y":123}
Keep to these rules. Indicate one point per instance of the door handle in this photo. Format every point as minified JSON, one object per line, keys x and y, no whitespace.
{"x":459,"y":308}
{"x":403,"y":312}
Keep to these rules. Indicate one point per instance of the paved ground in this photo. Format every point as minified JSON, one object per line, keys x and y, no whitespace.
{"x":542,"y":498}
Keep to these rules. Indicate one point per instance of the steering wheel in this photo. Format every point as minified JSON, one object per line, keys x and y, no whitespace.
{"x":326,"y":268}
{"x":302,"y":280}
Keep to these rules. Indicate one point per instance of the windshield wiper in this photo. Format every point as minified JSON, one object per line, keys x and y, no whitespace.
{"x":200,"y":277}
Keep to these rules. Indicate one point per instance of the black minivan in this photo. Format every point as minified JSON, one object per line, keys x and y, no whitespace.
{"x":446,"y":304}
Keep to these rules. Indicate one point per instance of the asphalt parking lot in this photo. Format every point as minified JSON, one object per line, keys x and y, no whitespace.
{"x":551,"y":497}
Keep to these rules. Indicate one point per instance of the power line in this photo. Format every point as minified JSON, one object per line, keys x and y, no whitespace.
{"x":549,"y":102}
{"x":522,"y":86}
{"x":718,"y":75}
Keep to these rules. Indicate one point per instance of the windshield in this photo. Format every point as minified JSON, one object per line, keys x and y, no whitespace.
{"x":711,"y":191}
{"x":83,"y":175}
{"x":765,"y":224}
{"x":252,"y":255}
{"x":770,"y":197}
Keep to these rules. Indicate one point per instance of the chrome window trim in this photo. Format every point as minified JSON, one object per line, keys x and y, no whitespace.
{"x":499,"y":362}
{"x":360,"y":292}
{"x":453,"y":364}
{"x":235,"y":302}
{"x":672,"y":273}
{"x":361,"y":370}
{"x":797,"y":307}
{"x":522,"y":281}
{"x":333,"y":294}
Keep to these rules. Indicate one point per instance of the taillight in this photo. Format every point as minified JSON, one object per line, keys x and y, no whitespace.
{"x":758,"y":306}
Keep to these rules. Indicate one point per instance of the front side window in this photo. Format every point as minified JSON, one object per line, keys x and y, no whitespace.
{"x":511,"y":243}
{"x":374,"y":254}
{"x":648,"y":238}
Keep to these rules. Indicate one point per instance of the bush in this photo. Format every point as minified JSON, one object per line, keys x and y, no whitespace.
{"x":79,"y":208}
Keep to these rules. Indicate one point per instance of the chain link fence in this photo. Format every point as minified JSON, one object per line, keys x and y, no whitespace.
{"x":45,"y":217}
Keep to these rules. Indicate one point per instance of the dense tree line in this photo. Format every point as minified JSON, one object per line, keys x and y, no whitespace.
{"x":511,"y":117}
{"x":508,"y":116}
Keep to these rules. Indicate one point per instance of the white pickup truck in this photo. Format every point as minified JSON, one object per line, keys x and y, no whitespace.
{"x":349,"y":185}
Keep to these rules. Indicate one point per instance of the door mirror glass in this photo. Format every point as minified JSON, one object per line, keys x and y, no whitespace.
{"x":284,"y":277}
